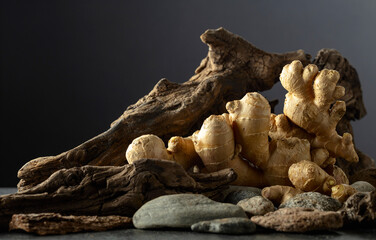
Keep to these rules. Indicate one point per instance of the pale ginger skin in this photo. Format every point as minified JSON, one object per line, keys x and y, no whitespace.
{"x":279,"y":194}
{"x":342,"y":192}
{"x":214,"y":142}
{"x":250,"y":119}
{"x":215,"y":145}
{"x":284,"y":153}
{"x":309,"y":177}
{"x":183,"y":151}
{"x":147,"y":146}
{"x":281,"y":128}
{"x":307,"y":104}
{"x":306,"y":131}
{"x":180,"y":150}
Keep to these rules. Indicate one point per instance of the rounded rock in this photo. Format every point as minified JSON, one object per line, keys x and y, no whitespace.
{"x":226,"y":226}
{"x":312,"y":200}
{"x":363,"y":186}
{"x":182,"y":210}
{"x":256,"y":206}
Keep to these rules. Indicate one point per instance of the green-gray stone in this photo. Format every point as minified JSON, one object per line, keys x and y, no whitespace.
{"x":182,"y":210}
{"x":313,"y":200}
{"x":226,"y":226}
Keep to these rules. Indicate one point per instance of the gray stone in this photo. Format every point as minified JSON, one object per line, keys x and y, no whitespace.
{"x":182,"y":210}
{"x":362,"y":186}
{"x":312,"y":200}
{"x":237,"y":193}
{"x":226,"y":226}
{"x":256,"y":206}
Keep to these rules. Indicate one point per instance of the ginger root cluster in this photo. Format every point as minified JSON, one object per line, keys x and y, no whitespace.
{"x":286,"y":154}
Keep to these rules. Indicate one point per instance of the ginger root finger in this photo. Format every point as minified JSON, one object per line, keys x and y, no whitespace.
{"x":147,"y":146}
{"x":183,"y":151}
{"x":284,"y":153}
{"x":250,"y":118}
{"x":309,"y":177}
{"x":279,"y":194}
{"x":214,"y":143}
{"x":342,"y":192}
{"x":309,"y":106}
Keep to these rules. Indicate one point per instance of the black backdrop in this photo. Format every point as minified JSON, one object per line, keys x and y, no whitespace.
{"x":69,"y":68}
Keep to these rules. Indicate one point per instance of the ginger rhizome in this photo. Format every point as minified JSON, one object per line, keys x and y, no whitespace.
{"x":180,"y":150}
{"x":308,"y":105}
{"x":291,"y":152}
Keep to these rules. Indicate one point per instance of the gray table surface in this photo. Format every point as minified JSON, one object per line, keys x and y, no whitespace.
{"x":346,"y":234}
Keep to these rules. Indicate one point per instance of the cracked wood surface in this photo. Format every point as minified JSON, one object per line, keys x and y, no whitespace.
{"x":112,"y":190}
{"x":55,"y":223}
{"x":232,"y":68}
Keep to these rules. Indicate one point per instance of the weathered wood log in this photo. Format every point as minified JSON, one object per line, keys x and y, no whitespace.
{"x":368,"y":175}
{"x":55,"y":223}
{"x":232,"y":68}
{"x":113,"y":190}
{"x":360,"y":207}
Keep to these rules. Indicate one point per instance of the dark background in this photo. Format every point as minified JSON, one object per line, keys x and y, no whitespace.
{"x":69,"y":68}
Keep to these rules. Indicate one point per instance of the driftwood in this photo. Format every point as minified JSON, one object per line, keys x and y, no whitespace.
{"x":368,"y":175}
{"x":54,"y":223}
{"x":112,"y":190}
{"x":360,"y":207}
{"x":232,"y":68}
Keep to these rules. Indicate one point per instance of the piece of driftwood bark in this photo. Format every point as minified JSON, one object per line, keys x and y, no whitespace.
{"x":113,"y":190}
{"x":55,"y":223}
{"x":368,"y":175}
{"x":360,"y":207}
{"x":232,"y":68}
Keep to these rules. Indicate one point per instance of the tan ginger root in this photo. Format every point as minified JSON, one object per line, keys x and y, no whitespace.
{"x":284,"y":153}
{"x":279,"y":194}
{"x":250,"y":119}
{"x":183,"y":151}
{"x":308,"y":105}
{"x":281,"y":128}
{"x":147,"y":146}
{"x":215,"y":145}
{"x":180,"y":150}
{"x":342,"y":192}
{"x":309,"y":177}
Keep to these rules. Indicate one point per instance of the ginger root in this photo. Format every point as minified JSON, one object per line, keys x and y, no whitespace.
{"x":250,"y":119}
{"x":342,"y":192}
{"x":215,"y":145}
{"x":214,"y":142}
{"x":309,"y":177}
{"x":284,"y":153}
{"x":183,"y":151}
{"x":180,"y":150}
{"x":147,"y":146}
{"x":308,"y":105}
{"x":279,"y":194}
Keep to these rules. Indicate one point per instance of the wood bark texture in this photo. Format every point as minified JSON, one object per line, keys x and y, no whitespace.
{"x":55,"y":223}
{"x":113,"y":190}
{"x":232,"y":68}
